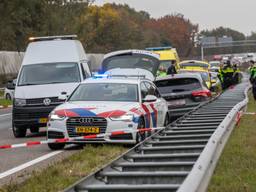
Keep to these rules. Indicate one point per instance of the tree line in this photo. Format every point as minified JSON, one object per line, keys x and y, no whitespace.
{"x":101,"y":29}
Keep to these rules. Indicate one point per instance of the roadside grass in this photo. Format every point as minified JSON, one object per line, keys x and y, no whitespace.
{"x":5,"y":102}
{"x":1,"y":93}
{"x":236,"y":169}
{"x":60,"y":175}
{"x":252,"y":105}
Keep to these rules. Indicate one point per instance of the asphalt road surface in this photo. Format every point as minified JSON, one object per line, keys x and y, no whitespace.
{"x":17,"y":164}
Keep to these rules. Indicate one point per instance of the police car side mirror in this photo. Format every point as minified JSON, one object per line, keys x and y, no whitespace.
{"x":150,"y":98}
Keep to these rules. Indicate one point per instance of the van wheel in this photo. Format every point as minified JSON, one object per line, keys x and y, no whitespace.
{"x":19,"y":132}
{"x":34,"y":129}
{"x":56,"y":146}
{"x":140,"y":136}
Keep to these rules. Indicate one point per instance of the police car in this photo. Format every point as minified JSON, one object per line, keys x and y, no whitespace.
{"x":108,"y":104}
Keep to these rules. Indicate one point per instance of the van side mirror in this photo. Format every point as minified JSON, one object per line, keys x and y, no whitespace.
{"x":11,"y":84}
{"x":150,"y":98}
{"x":63,"y":96}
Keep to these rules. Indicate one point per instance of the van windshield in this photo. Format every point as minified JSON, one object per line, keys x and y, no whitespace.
{"x":48,"y":73}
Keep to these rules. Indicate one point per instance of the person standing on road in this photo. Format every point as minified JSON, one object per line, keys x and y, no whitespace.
{"x":253,"y":80}
{"x":161,"y":72}
{"x":172,"y":69}
{"x":251,"y":66}
{"x":227,"y":72}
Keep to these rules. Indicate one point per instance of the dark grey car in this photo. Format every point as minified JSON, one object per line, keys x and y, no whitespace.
{"x":183,"y":92}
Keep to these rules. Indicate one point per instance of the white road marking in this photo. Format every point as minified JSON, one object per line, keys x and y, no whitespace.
{"x":3,"y":115}
{"x":28,"y":164}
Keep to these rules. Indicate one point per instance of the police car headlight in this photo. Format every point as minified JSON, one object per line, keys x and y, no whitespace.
{"x":55,"y":117}
{"x":20,"y":102}
{"x":127,"y":117}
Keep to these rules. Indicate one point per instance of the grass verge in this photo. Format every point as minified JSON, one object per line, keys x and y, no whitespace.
{"x":252,"y":105}
{"x":5,"y":102}
{"x":236,"y":169}
{"x":62,"y":174}
{"x":1,"y":93}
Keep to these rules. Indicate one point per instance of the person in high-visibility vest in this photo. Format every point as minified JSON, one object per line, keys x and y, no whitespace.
{"x":228,"y":73}
{"x":161,"y":72}
{"x":253,"y":80}
{"x":236,"y":75}
{"x":220,"y":73}
{"x":251,"y":66}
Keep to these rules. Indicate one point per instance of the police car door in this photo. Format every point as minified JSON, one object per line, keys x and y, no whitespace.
{"x":157,"y":108}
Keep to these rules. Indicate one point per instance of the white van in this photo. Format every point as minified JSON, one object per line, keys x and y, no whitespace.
{"x":51,"y":66}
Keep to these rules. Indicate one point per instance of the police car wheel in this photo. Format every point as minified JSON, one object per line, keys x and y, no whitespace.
{"x":140,"y":136}
{"x":56,"y":146}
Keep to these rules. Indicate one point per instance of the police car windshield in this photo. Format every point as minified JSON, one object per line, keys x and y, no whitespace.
{"x":48,"y":73}
{"x":106,"y":92}
{"x":131,"y":61}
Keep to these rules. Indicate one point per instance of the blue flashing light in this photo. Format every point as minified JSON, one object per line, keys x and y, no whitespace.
{"x":100,"y":76}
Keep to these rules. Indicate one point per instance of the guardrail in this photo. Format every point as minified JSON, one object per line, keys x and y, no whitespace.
{"x":200,"y":175}
{"x":179,"y":158}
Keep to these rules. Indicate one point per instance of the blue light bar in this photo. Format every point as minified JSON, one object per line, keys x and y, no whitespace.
{"x":100,"y":76}
{"x":158,"y":48}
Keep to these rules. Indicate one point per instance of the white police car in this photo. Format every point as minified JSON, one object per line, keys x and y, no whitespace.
{"x":105,"y":105}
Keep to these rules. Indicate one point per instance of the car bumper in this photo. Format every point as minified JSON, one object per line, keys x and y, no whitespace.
{"x":31,"y":116}
{"x":59,"y":128}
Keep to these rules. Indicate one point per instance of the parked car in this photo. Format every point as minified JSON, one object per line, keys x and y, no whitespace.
{"x":51,"y":66}
{"x":183,"y":92}
{"x":131,"y":62}
{"x":215,"y":66}
{"x":104,"y":105}
{"x":194,"y":64}
{"x":9,"y":90}
{"x":216,"y":83}
{"x":205,"y":74}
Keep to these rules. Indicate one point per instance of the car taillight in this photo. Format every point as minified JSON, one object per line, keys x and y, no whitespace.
{"x":202,"y":93}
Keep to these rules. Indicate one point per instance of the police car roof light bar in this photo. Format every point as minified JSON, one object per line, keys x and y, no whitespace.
{"x":128,"y":76}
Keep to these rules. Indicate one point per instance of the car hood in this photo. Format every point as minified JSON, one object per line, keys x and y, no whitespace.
{"x":131,"y":72}
{"x":96,"y":109}
{"x":41,"y":91}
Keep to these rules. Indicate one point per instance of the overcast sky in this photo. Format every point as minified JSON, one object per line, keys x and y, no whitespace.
{"x":237,"y":14}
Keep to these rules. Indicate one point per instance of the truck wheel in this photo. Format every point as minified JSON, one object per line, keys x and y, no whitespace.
{"x":34,"y":129}
{"x":140,"y":136}
{"x":56,"y":146}
{"x":19,"y":132}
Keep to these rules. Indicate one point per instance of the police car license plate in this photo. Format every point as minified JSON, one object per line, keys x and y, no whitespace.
{"x":177,"y":102}
{"x":83,"y":129}
{"x":43,"y":120}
